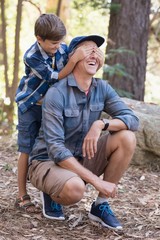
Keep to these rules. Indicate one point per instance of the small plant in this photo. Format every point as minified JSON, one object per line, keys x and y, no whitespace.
{"x":7,"y":167}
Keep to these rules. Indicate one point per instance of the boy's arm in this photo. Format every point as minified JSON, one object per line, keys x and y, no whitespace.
{"x":78,"y":55}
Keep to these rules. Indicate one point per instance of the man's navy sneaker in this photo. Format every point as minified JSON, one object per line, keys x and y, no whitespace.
{"x":51,"y":209}
{"x":102,"y":213}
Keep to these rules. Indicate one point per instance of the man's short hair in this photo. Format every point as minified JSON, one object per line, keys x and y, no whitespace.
{"x":77,"y":40}
{"x":50,"y":26}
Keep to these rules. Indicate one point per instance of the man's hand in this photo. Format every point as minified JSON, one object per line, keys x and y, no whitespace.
{"x":89,"y":147}
{"x":108,"y":189}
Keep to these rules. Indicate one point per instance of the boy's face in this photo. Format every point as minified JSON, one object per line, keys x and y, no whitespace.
{"x":49,"y":46}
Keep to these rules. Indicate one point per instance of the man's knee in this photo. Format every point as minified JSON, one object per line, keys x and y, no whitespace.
{"x":127,"y":139}
{"x":73,"y":191}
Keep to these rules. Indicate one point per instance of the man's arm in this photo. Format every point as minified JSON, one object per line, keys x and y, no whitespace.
{"x":107,"y":188}
{"x":89,"y":147}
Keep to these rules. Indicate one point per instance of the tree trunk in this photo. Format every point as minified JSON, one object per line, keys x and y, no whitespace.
{"x":16,"y":51}
{"x":4,"y":47}
{"x":10,"y":92}
{"x":59,"y":8}
{"x":129,"y":28}
{"x":10,"y":88}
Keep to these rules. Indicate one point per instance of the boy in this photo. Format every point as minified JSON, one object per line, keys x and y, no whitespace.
{"x":45,"y":63}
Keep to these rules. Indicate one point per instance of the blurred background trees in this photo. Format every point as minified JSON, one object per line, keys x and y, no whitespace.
{"x":130,"y":27}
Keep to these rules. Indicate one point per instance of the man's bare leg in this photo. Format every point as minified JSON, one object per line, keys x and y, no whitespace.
{"x":120,"y":149}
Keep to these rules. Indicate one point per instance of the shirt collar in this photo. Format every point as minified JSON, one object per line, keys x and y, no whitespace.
{"x":45,"y":55}
{"x":72,"y":82}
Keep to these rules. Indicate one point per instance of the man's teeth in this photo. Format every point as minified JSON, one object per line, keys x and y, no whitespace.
{"x":92,"y":63}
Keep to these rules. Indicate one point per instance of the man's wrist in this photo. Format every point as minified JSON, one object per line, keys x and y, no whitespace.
{"x":106,"y":124}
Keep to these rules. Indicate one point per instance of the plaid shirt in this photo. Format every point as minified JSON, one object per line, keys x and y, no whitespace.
{"x":40,"y":74}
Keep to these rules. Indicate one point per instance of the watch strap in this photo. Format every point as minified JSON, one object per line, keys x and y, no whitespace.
{"x":106,"y":124}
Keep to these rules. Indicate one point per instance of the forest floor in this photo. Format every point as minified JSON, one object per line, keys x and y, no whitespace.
{"x":137,"y":207}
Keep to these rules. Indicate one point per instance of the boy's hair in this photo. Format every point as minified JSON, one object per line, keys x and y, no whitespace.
{"x":49,"y":26}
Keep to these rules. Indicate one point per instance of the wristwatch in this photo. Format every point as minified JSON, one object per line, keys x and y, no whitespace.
{"x":106,"y":123}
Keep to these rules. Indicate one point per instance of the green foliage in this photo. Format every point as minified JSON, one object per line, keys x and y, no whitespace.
{"x":117,"y":69}
{"x":121,"y":50}
{"x":83,"y":20}
{"x":96,"y":4}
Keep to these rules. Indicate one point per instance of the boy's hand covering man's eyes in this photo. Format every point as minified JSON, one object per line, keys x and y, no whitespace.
{"x":81,"y":53}
{"x":100,"y":57}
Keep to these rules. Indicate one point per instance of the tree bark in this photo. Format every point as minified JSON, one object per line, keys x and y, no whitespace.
{"x":10,"y":88}
{"x":4,"y":47}
{"x":129,"y":28}
{"x":16,"y":51}
{"x":59,"y":8}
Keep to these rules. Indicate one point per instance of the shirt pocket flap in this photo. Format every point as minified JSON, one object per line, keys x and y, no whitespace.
{"x":71,"y":112}
{"x":97,"y":107}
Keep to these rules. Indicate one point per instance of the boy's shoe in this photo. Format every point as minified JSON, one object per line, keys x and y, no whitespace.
{"x":102,"y":213}
{"x":51,"y":209}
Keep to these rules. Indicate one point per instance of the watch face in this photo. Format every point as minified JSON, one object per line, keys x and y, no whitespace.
{"x":106,"y":124}
{"x":105,"y":121}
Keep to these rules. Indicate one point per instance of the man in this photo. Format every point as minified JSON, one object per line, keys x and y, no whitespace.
{"x":70,"y":151}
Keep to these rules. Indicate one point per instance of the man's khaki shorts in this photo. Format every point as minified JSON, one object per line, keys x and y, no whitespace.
{"x":48,"y":177}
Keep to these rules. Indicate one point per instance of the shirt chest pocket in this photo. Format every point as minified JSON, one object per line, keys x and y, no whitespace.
{"x":71,"y":117}
{"x":95,"y":111}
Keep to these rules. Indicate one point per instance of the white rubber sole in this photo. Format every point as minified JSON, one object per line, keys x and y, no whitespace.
{"x":97,"y":219}
{"x":45,"y":215}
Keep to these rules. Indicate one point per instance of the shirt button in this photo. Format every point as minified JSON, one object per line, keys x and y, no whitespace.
{"x":31,"y":103}
{"x":41,"y":94}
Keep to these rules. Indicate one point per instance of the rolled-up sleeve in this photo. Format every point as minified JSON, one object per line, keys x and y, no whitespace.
{"x":117,"y":109}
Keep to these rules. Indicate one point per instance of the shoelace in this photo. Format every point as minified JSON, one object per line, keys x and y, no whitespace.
{"x":56,"y":206}
{"x":106,"y":208}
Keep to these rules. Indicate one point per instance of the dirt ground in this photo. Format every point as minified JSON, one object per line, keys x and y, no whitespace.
{"x":137,"y":207}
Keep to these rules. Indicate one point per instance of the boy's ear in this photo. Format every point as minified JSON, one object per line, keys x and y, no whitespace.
{"x":39,"y":39}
